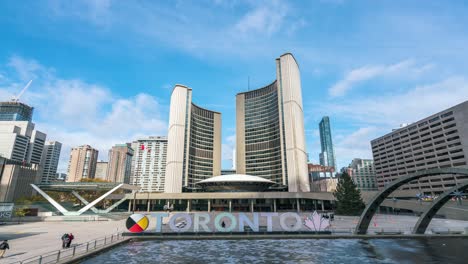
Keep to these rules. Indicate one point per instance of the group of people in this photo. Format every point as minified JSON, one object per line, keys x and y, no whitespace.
{"x":67,"y":240}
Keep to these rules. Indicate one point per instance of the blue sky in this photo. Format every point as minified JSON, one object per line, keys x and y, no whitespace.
{"x":103,"y":70}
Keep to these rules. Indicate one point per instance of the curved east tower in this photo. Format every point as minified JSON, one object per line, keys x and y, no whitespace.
{"x":194,"y":143}
{"x":270,"y":138}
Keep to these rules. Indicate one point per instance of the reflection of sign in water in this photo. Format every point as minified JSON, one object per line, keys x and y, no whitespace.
{"x":316,"y":222}
{"x":6,"y":210}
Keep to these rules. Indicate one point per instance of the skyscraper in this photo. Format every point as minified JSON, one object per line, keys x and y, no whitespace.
{"x":82,"y":163}
{"x":194,"y":143}
{"x":120,"y":163}
{"x":15,"y":111}
{"x":270,"y":134}
{"x":50,"y":160}
{"x":19,"y":141}
{"x":327,"y":156}
{"x":149,"y":163}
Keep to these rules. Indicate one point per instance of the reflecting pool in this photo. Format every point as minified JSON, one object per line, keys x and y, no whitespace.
{"x":430,"y":250}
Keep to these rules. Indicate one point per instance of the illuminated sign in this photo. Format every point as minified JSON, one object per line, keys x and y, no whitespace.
{"x":227,"y":222}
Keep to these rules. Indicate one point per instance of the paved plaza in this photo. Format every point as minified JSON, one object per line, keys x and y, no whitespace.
{"x":33,"y":239}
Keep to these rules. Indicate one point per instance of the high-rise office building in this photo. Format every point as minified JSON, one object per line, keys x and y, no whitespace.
{"x":327,"y":156}
{"x":82,"y":163}
{"x":363,"y":174}
{"x":19,"y":141}
{"x":101,"y":170}
{"x":437,"y":141}
{"x":149,"y":163}
{"x":50,"y":160}
{"x":194,"y":143}
{"x":120,"y":163}
{"x":15,"y":111}
{"x":270,"y":136}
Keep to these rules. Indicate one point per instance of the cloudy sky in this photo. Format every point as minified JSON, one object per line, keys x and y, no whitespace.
{"x":103,"y":70}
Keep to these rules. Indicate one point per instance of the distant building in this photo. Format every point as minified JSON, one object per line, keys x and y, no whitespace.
{"x":50,"y":160}
{"x":317,"y":172}
{"x":15,"y":179}
{"x":149,"y":163}
{"x":324,"y":185}
{"x":363,"y":174}
{"x":61,"y":177}
{"x":101,"y":170}
{"x":327,"y":156}
{"x":437,"y":141}
{"x":82,"y":163}
{"x":270,"y":136}
{"x":15,"y":111}
{"x":227,"y":172}
{"x":120,"y":163}
{"x":19,"y":141}
{"x":194,"y":143}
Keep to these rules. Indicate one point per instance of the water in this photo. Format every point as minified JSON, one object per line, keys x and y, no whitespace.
{"x":435,"y":250}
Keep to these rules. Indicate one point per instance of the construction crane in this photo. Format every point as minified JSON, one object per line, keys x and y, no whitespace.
{"x":16,"y":99}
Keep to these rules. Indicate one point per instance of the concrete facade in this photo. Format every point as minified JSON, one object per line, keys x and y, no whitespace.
{"x":21,"y":142}
{"x":270,"y":139}
{"x":149,"y":163}
{"x":120,"y":164}
{"x":101,"y":170}
{"x":15,"y":179}
{"x":437,"y":141}
{"x":82,"y":163}
{"x":324,"y":185}
{"x":362,"y":172}
{"x":194,"y":143}
{"x":50,"y":160}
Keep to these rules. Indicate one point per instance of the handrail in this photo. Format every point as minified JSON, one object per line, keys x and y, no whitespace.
{"x":69,"y":253}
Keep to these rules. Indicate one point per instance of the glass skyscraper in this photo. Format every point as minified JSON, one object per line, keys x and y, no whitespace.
{"x":15,"y":111}
{"x":327,"y":156}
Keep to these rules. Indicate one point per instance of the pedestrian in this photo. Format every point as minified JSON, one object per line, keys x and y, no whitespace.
{"x":223,"y":225}
{"x":3,"y":247}
{"x":65,"y":240}
{"x":70,"y":239}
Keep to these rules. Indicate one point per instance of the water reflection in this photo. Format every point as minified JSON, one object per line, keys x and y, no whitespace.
{"x":360,"y":251}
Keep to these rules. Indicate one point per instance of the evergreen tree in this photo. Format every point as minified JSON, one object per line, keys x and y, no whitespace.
{"x":348,"y":197}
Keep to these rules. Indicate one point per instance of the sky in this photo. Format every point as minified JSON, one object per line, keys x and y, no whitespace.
{"x":103,"y":71}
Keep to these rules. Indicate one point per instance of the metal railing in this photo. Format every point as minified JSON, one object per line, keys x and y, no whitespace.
{"x":76,"y":250}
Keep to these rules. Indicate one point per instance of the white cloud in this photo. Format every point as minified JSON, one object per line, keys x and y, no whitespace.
{"x":75,"y":112}
{"x":355,"y":145}
{"x":265,"y":19}
{"x":406,"y":68}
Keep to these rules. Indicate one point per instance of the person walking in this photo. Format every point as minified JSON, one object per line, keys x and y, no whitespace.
{"x":3,"y":247}
{"x":70,"y":239}
{"x":65,"y":240}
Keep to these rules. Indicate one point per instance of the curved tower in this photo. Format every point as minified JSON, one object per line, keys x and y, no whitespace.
{"x":194,"y":143}
{"x":270,"y":130}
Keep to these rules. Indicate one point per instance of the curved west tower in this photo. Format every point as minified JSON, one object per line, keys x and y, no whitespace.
{"x":194,"y":143}
{"x":270,"y":135}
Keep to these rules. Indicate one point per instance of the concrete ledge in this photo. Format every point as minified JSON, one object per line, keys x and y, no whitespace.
{"x":277,"y":235}
{"x":80,"y":257}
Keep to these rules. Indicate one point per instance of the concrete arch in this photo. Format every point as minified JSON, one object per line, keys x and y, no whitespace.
{"x":429,"y":213}
{"x":371,"y":208}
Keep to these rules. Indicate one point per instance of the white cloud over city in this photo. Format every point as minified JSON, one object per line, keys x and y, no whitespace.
{"x":76,"y":112}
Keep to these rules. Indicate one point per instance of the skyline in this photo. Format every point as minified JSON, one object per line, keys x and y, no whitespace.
{"x":124,"y":74}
